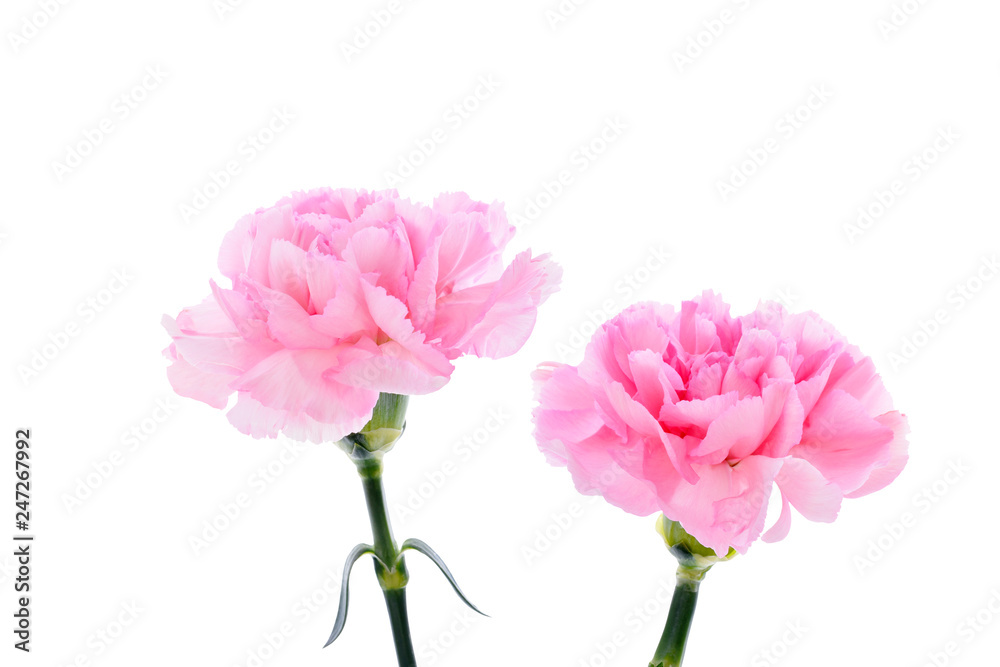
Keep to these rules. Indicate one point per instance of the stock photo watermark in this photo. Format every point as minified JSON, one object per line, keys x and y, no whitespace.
{"x":772,"y":655}
{"x":646,"y":613}
{"x":708,"y":34}
{"x":229,"y":512}
{"x":86,"y":312}
{"x":217,"y":180}
{"x":453,"y":118}
{"x":899,"y":17}
{"x":101,"y":640}
{"x":365,"y":34}
{"x":561,"y":522}
{"x":913,"y":169}
{"x":77,"y":152}
{"x":563,"y":11}
{"x":130,"y":442}
{"x":624,"y":291}
{"x":436,"y":647}
{"x":580,"y":161}
{"x":922,"y":503}
{"x":958,"y":298}
{"x":462,"y":453}
{"x":966,"y":632}
{"x":223,"y":8}
{"x":785,"y":129}
{"x":32,"y":24}
{"x":269,"y":643}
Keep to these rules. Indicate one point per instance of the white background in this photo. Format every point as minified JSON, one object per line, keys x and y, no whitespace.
{"x":654,"y":188}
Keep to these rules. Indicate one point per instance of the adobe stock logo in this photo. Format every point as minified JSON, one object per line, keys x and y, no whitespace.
{"x":786,"y":128}
{"x":372,"y":29}
{"x":34,"y":23}
{"x":121,"y":109}
{"x":957,"y":299}
{"x":923,"y":502}
{"x":86,"y":312}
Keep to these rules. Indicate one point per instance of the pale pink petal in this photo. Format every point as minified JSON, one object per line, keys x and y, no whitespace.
{"x":291,"y":325}
{"x":422,"y":299}
{"x":808,"y":491}
{"x":803,"y":487}
{"x":596,"y":472}
{"x":383,"y":253}
{"x":234,"y":255}
{"x":323,"y":275}
{"x":497,"y":324}
{"x":389,"y":314}
{"x":740,"y":517}
{"x":207,"y":387}
{"x":843,"y":442}
{"x":782,"y":526}
{"x":346,"y":315}
{"x":737,"y":432}
{"x":286,"y":271}
{"x":303,"y":381}
{"x":259,"y":421}
{"x":883,"y":475}
{"x":270,"y":225}
{"x":560,"y":387}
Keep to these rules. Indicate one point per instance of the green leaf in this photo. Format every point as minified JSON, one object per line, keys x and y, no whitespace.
{"x":352,"y":558}
{"x":419,"y":545}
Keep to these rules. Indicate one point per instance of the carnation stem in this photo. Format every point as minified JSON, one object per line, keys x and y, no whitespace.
{"x":670,"y":652}
{"x":389,"y":564}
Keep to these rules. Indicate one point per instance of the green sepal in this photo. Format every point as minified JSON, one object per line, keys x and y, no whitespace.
{"x":356,"y":553}
{"x":422,"y":547}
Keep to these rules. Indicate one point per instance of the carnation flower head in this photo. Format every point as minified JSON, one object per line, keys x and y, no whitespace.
{"x":338,"y":296}
{"x":700,"y":415}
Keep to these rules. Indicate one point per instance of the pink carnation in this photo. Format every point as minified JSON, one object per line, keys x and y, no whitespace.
{"x":699,"y":415}
{"x":339,"y":295}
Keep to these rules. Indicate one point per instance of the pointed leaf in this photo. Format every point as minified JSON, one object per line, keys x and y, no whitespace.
{"x":421,"y":546}
{"x":352,"y":558}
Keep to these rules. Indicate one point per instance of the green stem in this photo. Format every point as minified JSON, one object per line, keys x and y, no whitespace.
{"x":389,"y":564}
{"x":670,"y":652}
{"x":395,"y":602}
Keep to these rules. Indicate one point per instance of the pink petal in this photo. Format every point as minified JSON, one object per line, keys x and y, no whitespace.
{"x":422,"y":298}
{"x":322,"y":279}
{"x":496,"y":324}
{"x":843,"y":442}
{"x":383,"y":253}
{"x":805,"y":488}
{"x":883,"y":475}
{"x":560,"y":387}
{"x":207,"y":387}
{"x":291,"y":325}
{"x":286,"y":271}
{"x":646,"y":370}
{"x":303,"y":381}
{"x":697,"y":415}
{"x":595,"y":471}
{"x":271,"y":225}
{"x":259,"y":421}
{"x":638,"y":418}
{"x":739,"y":518}
{"x":234,"y":255}
{"x":737,"y":432}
